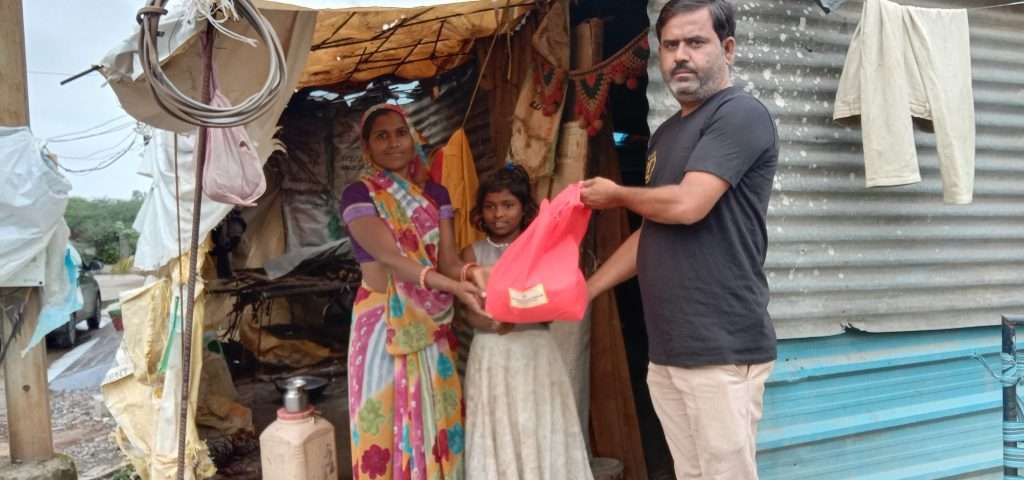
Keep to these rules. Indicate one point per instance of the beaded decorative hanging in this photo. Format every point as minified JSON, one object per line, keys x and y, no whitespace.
{"x":550,"y":84}
{"x":627,"y":66}
{"x":592,"y":85}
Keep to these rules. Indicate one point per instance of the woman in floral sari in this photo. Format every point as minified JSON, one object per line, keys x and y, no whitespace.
{"x":405,"y":401}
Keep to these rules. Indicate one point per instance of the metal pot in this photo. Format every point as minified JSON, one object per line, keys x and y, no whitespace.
{"x":312,"y":385}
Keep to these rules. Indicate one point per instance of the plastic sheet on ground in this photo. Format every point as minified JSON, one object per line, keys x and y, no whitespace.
{"x":270,"y":349}
{"x":218,"y":399}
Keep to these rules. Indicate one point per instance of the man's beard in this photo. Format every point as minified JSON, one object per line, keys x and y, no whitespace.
{"x":707,"y":84}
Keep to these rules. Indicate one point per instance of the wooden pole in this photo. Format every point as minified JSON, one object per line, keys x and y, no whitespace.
{"x":13,"y":73}
{"x":28,"y":400}
{"x":615,"y":427}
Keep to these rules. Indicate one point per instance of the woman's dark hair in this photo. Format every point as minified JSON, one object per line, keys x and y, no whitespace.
{"x":723,"y":15}
{"x":513,"y":178}
{"x":368,"y":124}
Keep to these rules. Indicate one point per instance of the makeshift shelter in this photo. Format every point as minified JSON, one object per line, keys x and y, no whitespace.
{"x":270,"y":275}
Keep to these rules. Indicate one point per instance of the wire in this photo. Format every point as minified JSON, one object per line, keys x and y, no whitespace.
{"x":103,"y":152}
{"x":187,"y":109}
{"x":63,"y":136}
{"x":56,"y":74}
{"x":1001,"y":5}
{"x":115,"y":129}
{"x":104,"y":164}
{"x":140,"y":130}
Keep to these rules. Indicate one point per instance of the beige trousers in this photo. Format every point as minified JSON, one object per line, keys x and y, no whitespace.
{"x":710,"y":417}
{"x":904,"y":63}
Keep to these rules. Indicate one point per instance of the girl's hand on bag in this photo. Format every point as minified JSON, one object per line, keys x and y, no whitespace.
{"x":502,"y":328}
{"x":484,"y":324}
{"x":479,"y":323}
{"x":469,"y":295}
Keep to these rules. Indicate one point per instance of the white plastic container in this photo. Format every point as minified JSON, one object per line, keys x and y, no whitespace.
{"x":299,"y":444}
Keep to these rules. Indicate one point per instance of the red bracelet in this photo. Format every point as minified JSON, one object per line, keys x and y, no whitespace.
{"x":423,"y":276}
{"x":465,"y":271}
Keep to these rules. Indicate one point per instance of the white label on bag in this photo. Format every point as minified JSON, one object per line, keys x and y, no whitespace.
{"x":532,"y":297}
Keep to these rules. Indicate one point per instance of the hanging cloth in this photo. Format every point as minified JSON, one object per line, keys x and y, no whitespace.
{"x":537,"y":115}
{"x":458,"y":175}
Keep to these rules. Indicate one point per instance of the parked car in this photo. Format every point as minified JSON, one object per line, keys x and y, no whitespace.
{"x":92,"y":304}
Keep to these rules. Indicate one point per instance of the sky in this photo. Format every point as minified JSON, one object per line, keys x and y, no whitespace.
{"x":63,"y":38}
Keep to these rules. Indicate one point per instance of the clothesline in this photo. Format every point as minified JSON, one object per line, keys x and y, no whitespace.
{"x":1010,"y":4}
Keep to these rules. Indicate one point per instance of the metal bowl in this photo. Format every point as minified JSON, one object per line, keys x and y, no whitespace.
{"x":313,"y":386}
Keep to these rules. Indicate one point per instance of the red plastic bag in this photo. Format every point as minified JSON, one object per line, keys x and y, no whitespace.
{"x":538,"y":279}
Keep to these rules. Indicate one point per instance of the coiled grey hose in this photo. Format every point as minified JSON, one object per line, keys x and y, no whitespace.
{"x":191,"y":111}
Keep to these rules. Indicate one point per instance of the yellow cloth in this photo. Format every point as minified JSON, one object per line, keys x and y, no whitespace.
{"x":458,"y":175}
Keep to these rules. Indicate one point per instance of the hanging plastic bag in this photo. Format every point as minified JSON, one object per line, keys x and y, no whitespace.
{"x":233,"y":173}
{"x":538,"y":279}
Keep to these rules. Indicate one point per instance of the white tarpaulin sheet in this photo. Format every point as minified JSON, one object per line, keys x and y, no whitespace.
{"x":33,"y":234}
{"x":33,"y":196}
{"x":157,"y":221}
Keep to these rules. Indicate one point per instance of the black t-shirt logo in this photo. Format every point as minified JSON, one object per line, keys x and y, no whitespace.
{"x":649,"y":169}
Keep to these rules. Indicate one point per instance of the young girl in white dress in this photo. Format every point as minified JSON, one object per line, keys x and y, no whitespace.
{"x":521,"y":420}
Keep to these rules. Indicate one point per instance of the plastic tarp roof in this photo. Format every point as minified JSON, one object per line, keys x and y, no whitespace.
{"x":328,"y":42}
{"x":353,"y":45}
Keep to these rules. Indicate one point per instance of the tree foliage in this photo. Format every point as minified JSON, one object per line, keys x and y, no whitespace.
{"x":98,"y":226}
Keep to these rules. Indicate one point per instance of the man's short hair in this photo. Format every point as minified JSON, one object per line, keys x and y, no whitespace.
{"x":723,"y":15}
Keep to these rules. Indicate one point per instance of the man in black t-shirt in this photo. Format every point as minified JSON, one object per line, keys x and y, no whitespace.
{"x":700,"y":253}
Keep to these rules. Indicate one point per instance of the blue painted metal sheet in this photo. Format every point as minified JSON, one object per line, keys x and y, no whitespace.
{"x":886,"y":406}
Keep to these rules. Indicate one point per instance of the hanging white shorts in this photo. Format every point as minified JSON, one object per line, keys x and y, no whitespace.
{"x":904,"y":63}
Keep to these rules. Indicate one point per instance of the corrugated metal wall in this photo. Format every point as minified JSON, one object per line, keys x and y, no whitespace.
{"x":874,"y":406}
{"x":438,"y":118}
{"x":891,"y":259}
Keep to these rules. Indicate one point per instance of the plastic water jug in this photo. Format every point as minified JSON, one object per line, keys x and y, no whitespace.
{"x":300,"y":443}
